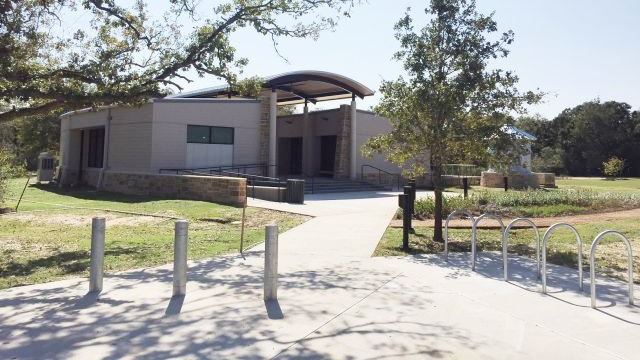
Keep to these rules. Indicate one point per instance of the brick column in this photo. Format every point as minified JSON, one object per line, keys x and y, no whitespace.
{"x":343,"y":144}
{"x":263,"y":156}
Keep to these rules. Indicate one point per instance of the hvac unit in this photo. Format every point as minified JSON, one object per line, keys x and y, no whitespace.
{"x":46,"y":167}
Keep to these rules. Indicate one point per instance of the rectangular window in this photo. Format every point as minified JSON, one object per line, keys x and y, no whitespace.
{"x":222,"y":135}
{"x":96,"y":148}
{"x":197,"y":134}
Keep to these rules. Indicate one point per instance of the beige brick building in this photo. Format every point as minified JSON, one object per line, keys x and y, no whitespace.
{"x":215,"y":128}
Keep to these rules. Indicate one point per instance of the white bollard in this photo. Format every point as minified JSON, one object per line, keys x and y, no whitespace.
{"x":271,"y":263}
{"x":97,"y":254}
{"x":180,"y":258}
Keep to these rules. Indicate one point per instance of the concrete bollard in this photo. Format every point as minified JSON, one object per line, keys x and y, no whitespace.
{"x":97,"y":254}
{"x":181,"y":239}
{"x":271,"y":263}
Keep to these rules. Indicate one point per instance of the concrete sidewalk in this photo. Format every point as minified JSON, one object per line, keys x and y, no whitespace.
{"x":335,"y":302}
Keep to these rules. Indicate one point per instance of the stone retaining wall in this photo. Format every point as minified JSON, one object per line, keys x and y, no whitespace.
{"x":516,"y":181}
{"x":220,"y":190}
{"x":547,"y":180}
{"x":448,"y":180}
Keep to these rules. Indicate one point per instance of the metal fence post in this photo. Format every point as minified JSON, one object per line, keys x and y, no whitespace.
{"x":97,"y":254}
{"x":271,"y":263}
{"x":181,"y":239}
{"x":465,"y":186}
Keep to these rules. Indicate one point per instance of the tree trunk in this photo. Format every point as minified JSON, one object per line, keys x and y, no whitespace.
{"x":437,"y":216}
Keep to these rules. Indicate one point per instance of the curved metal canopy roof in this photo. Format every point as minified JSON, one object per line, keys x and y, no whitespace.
{"x":296,"y":87}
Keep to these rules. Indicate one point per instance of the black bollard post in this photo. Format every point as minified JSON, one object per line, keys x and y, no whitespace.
{"x":465,"y":187}
{"x":412,"y":201}
{"x":506,"y":183}
{"x":403,"y":202}
{"x":409,"y":207}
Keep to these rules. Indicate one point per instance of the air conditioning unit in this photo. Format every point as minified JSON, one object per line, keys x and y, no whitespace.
{"x":46,"y":167}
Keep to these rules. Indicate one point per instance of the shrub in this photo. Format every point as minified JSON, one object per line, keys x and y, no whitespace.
{"x":5,"y":167}
{"x":8,"y":170}
{"x":613,"y":167}
{"x":531,"y":202}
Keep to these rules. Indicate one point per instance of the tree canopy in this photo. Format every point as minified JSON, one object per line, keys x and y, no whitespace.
{"x":123,"y":54}
{"x":452,"y":104}
{"x":587,"y":135}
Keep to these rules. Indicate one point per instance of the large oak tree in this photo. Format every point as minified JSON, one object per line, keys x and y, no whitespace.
{"x":67,"y":54}
{"x":452,"y":104}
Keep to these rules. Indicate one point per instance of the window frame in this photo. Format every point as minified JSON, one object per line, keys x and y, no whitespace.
{"x":211,"y":137}
{"x":95,"y":148}
{"x":199,"y":142}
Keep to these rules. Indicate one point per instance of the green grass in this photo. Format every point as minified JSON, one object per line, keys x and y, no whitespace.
{"x":601,"y":184}
{"x":562,"y":249}
{"x":46,"y":242}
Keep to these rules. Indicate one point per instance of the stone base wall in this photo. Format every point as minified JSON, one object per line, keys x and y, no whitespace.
{"x":516,"y":181}
{"x":276,"y":194}
{"x":220,"y":190}
{"x":448,"y":180}
{"x":69,"y":177}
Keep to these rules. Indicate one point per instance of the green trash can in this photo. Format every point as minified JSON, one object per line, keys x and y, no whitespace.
{"x":295,"y":191}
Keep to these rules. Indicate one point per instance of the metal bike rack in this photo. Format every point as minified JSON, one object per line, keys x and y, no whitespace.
{"x":592,"y":264}
{"x":457,"y":213}
{"x":474,"y":234}
{"x":547,"y":235}
{"x":505,"y":243}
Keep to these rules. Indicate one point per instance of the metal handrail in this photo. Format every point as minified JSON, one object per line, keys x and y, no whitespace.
{"x":212,"y":169}
{"x":474,"y":235}
{"x":592,"y":264}
{"x":505,"y":244}
{"x":546,"y":237}
{"x":380,"y":172}
{"x":446,"y":228}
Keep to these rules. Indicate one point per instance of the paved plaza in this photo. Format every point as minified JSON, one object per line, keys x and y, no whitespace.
{"x":335,"y":302}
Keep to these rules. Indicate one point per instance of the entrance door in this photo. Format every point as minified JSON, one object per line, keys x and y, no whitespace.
{"x":289,"y":156}
{"x":295,"y":158}
{"x":327,"y":154}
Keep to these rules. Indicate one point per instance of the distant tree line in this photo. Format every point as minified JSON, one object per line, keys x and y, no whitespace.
{"x":579,"y":140}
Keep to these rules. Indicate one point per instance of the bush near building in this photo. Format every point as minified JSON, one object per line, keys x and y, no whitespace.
{"x":613,"y":167}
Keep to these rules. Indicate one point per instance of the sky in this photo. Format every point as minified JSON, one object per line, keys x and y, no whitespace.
{"x":574,"y":50}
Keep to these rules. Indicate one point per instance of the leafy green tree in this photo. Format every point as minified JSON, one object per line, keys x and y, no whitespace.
{"x":34,"y":135}
{"x":117,"y":53}
{"x":451,"y":106}
{"x":613,"y":167}
{"x":592,"y":132}
{"x":549,"y":160}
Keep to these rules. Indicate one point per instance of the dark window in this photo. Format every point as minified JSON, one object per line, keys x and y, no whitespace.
{"x":197,"y":134}
{"x":222,"y":135}
{"x":96,"y":148}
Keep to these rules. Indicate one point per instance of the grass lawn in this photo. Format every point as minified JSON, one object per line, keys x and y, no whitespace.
{"x":562,"y":248}
{"x":572,"y":197}
{"x":49,"y":238}
{"x":600,"y":184}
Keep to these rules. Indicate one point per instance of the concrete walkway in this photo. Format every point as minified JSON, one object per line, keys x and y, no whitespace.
{"x":334,"y":302}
